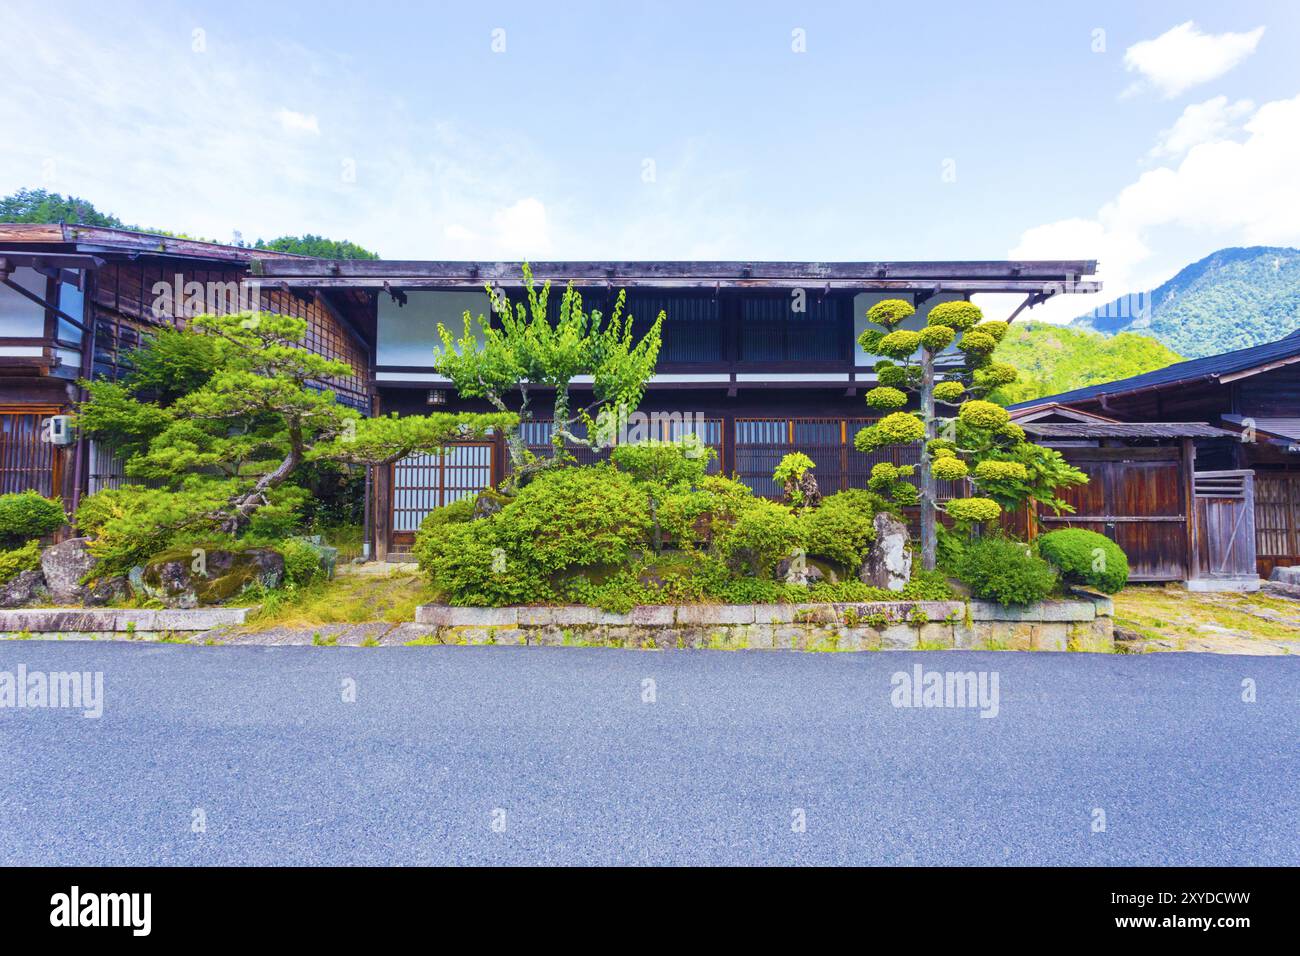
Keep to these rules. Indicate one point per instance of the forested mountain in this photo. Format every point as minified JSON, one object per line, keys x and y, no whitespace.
{"x":1231,"y":299}
{"x":38,"y":205}
{"x":1057,"y":358}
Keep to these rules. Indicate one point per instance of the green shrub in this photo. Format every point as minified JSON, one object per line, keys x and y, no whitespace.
{"x":301,"y":561}
{"x":665,"y":463}
{"x":763,"y":534}
{"x":575,"y":517}
{"x":27,"y":515}
{"x":17,"y":560}
{"x":842,"y":528}
{"x":1086,"y":557}
{"x":132,"y":523}
{"x":1006,"y":571}
{"x":436,"y":522}
{"x":469,"y":565}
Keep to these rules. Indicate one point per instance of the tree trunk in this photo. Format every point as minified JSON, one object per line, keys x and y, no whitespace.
{"x":241,"y":507}
{"x":560,"y":423}
{"x":929,"y":516}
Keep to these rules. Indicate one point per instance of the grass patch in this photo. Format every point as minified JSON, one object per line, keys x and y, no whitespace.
{"x":350,"y":599}
{"x":1173,"y":613}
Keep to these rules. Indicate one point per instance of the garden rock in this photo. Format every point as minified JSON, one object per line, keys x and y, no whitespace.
{"x":889,"y":562}
{"x":797,"y":569}
{"x":487,"y":504}
{"x":181,"y":580}
{"x":27,"y":587}
{"x":64,"y":565}
{"x":107,"y":591}
{"x":1287,"y":576}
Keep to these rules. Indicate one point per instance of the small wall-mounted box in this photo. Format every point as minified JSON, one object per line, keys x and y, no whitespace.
{"x":58,"y":429}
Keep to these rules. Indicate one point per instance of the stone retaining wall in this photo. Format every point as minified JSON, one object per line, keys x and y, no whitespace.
{"x":1083,"y":623}
{"x":115,"y":623}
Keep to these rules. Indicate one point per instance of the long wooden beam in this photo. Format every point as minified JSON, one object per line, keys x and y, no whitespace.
{"x":628,"y":282}
{"x":620,"y":272}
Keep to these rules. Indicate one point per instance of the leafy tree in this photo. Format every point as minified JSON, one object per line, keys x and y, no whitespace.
{"x":526,"y":350}
{"x":663,"y":468}
{"x":262,"y":413}
{"x":977,"y":441}
{"x":317,"y":246}
{"x":39,"y":205}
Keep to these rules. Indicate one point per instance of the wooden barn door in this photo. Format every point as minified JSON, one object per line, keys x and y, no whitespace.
{"x":1137,"y":497}
{"x":1225,"y":517}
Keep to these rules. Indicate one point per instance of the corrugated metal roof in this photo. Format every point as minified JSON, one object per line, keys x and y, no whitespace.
{"x":1209,"y":367}
{"x":1125,"y":430}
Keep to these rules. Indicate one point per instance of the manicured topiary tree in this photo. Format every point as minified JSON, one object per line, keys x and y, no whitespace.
{"x":962,"y":435}
{"x":1086,"y":557}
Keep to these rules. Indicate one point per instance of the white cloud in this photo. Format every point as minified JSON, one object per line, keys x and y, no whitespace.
{"x":1222,"y":192}
{"x":298,"y":122}
{"x":1184,"y":57}
{"x":1201,"y":123}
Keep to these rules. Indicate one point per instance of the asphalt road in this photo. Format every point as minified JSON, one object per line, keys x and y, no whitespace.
{"x":486,"y":755}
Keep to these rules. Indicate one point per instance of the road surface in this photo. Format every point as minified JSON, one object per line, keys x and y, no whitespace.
{"x":494,"y":755}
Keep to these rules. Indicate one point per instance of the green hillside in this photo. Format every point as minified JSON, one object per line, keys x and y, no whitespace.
{"x":1231,"y":299}
{"x":1055,"y":358}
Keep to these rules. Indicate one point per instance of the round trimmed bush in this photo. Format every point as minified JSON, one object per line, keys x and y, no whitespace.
{"x":958,"y":316}
{"x":886,"y":397}
{"x":949,"y":391}
{"x":889,"y":312}
{"x":899,"y":344}
{"x":1006,"y":571}
{"x":843,"y":527}
{"x":26,"y":515}
{"x":973,"y":509}
{"x":576,"y":517}
{"x":948,"y":467}
{"x":982,"y":414}
{"x":762,"y":535}
{"x":936,"y":338}
{"x":1086,"y":557}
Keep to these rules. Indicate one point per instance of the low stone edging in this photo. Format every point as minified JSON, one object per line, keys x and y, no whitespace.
{"x":114,"y":623}
{"x":1081,"y":623}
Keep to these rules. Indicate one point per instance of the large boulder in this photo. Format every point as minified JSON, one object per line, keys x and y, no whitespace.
{"x":64,"y":565}
{"x":24,"y":589}
{"x":187,"y":579}
{"x":803,"y":570}
{"x":889,"y":562}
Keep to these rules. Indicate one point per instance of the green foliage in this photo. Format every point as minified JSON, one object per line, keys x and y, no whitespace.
{"x":1086,"y":557}
{"x":973,"y":510}
{"x":887,"y":480}
{"x":316,"y":246}
{"x":958,"y":316}
{"x":14,"y":561}
{"x":528,"y":347}
{"x":26,"y":514}
{"x":792,"y":468}
{"x":1006,"y":571}
{"x":890,"y":312}
{"x":983,"y":415}
{"x":575,"y":517}
{"x":1046,"y":473}
{"x":841,"y":529}
{"x":885,"y":397}
{"x":302,"y":562}
{"x":38,"y":205}
{"x":171,"y":364}
{"x":468,"y":563}
{"x":132,"y":523}
{"x":1054,"y":359}
{"x":899,"y":344}
{"x":899,"y":428}
{"x":949,"y":468}
{"x":665,"y":464}
{"x":762,"y":535}
{"x":936,"y":338}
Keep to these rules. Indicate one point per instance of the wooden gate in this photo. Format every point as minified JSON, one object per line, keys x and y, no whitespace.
{"x":1225,"y":523}
{"x":421,"y":483}
{"x":27,"y":461}
{"x":1137,"y":497}
{"x":1277,"y":520}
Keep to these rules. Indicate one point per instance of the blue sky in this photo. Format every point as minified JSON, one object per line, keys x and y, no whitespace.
{"x":674,"y":130}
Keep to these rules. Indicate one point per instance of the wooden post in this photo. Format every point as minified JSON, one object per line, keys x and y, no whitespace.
{"x":1189,"y":484}
{"x":929,"y":538}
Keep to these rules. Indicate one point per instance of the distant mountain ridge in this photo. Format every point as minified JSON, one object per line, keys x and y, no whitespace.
{"x":1231,"y":299}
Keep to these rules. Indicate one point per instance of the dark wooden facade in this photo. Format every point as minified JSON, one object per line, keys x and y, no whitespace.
{"x":750,"y":374}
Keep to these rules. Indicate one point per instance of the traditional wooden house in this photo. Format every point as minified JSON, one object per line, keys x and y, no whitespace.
{"x":758,"y":359}
{"x":1237,"y":417}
